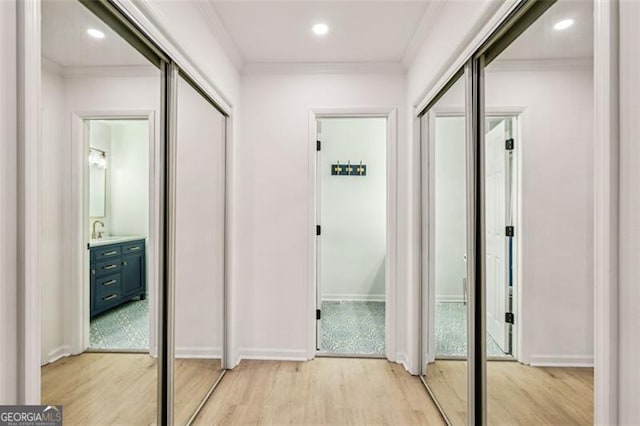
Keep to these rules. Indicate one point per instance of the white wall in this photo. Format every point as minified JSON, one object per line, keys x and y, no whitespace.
{"x":8,"y":201}
{"x":353,"y":210}
{"x":273,"y":198}
{"x":450,"y":208}
{"x":52,"y":254}
{"x":121,"y":94}
{"x":556,"y":208}
{"x":128,"y":168}
{"x":199,"y":249}
{"x":629,"y":228}
{"x":75,"y":94}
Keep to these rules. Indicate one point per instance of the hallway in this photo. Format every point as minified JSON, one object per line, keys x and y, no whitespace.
{"x":323,"y":391}
{"x":320,"y":212}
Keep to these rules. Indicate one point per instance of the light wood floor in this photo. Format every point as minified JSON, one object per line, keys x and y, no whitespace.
{"x":517,"y":394}
{"x":116,"y":388}
{"x":322,"y":391}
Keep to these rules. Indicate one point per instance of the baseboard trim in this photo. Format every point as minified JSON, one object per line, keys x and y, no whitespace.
{"x":186,"y":352}
{"x":353,"y":298}
{"x":402,"y":359}
{"x":58,"y":353}
{"x":560,"y":360}
{"x":267,"y":354}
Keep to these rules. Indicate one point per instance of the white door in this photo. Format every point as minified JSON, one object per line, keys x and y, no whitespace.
{"x":496,"y":257}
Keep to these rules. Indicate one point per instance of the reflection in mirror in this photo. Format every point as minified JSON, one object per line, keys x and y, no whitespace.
{"x":539,"y":202}
{"x":97,"y":182}
{"x":100,"y":231}
{"x":446,"y":310}
{"x":200,"y":243}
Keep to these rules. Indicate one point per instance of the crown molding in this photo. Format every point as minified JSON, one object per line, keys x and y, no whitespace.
{"x":491,"y":15}
{"x":220,"y":32}
{"x":507,"y":65}
{"x":430,"y":16}
{"x":153,"y":24}
{"x":323,"y":68}
{"x":111,"y":71}
{"x":122,"y":71}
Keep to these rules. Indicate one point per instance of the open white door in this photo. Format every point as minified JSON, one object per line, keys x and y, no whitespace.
{"x":318,"y":240}
{"x":496,"y":258}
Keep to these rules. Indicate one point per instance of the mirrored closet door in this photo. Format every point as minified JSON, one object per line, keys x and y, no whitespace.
{"x":199,"y":292}
{"x":529,"y":291}
{"x":100,"y":145}
{"x":133,"y":177}
{"x":538,"y":217}
{"x":445,"y":239}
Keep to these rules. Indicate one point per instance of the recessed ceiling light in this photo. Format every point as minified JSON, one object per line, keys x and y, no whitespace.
{"x":563,"y":25}
{"x":320,"y":29}
{"x":95,"y":33}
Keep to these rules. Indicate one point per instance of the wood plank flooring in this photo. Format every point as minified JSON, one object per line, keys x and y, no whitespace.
{"x":121,"y":389}
{"x":517,"y":393}
{"x":118,"y":388}
{"x":322,"y":391}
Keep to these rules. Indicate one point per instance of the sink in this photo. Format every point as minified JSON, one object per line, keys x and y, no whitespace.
{"x":114,"y":240}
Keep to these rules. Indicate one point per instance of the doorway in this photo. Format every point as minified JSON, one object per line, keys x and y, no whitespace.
{"x":118,"y":225}
{"x":351,"y":208}
{"x":448,"y":282}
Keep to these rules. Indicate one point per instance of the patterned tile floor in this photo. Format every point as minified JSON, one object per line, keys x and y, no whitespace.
{"x":353,"y":328}
{"x":125,"y":327}
{"x":451,"y":331}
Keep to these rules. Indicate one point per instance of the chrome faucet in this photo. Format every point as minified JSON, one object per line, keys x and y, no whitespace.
{"x":93,"y":231}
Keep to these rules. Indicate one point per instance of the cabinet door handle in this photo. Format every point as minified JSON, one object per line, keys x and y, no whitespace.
{"x":124,"y":263}
{"x":110,"y":297}
{"x":109,"y":282}
{"x":110,"y":266}
{"x":134,"y":248}
{"x":110,"y":253}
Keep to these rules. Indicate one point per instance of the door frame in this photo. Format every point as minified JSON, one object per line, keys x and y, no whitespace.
{"x":428,"y":300}
{"x":79,"y":317}
{"x":390,"y":114}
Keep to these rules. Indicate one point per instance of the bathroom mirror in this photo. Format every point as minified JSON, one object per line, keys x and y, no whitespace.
{"x":97,"y":183}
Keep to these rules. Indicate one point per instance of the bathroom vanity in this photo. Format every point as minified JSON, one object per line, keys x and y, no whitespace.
{"x":117,"y":272}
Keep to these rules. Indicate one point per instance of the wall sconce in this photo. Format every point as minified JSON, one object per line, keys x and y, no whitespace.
{"x":97,"y":158}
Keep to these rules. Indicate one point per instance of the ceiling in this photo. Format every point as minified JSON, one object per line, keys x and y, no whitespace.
{"x":541,"y":42}
{"x":66,"y":43}
{"x":279,"y":32}
{"x":359,"y":31}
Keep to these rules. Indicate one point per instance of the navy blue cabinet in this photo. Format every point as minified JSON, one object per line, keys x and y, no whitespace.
{"x":118,"y":274}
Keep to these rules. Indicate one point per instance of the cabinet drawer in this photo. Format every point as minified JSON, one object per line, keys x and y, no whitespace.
{"x":107,"y":299}
{"x":111,"y":284}
{"x":131,"y":248}
{"x":107,"y":267}
{"x":102,"y":253}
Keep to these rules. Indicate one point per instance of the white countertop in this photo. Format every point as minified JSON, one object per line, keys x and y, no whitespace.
{"x":113,"y":240}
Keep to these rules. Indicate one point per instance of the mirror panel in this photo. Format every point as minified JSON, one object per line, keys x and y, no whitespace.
{"x":538,"y":147}
{"x":446,"y":300}
{"x":100,"y":230}
{"x":200,"y":243}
